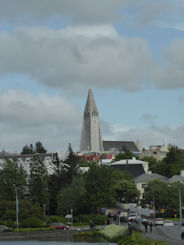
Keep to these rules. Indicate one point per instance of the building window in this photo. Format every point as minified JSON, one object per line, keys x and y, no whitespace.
{"x":144,"y":186}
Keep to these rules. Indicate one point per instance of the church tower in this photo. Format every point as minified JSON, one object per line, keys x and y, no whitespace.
{"x":91,"y":136}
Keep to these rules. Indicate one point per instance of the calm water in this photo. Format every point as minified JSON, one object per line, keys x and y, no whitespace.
{"x":49,"y":243}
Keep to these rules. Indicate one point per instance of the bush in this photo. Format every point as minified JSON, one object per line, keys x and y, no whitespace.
{"x":9,"y":223}
{"x":33,"y":222}
{"x":139,"y":239}
{"x":114,"y":231}
{"x":54,"y":218}
{"x":98,"y":219}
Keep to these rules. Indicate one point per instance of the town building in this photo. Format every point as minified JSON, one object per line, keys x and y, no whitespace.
{"x":142,"y":181}
{"x":132,"y":166}
{"x":26,"y":160}
{"x":177,"y":178}
{"x":91,"y":135}
{"x":159,"y":152}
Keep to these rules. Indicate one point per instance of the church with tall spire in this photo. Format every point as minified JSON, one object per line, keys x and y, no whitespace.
{"x":91,"y":136}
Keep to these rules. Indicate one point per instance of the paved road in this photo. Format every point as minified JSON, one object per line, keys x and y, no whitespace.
{"x":172,"y":234}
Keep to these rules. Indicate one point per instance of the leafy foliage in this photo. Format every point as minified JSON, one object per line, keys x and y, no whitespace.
{"x":38,"y":148}
{"x":71,"y":165}
{"x":38,"y":183}
{"x":126,"y":154}
{"x":73,"y":197}
{"x":166,"y":196}
{"x":99,"y":186}
{"x":12,"y":175}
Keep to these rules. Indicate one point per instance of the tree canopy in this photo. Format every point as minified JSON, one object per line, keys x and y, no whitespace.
{"x":38,"y":148}
{"x":38,"y":182}
{"x":12,"y":175}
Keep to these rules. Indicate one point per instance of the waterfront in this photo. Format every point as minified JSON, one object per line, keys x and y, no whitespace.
{"x":49,"y":243}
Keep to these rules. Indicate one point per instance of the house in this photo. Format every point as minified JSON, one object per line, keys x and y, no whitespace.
{"x":106,"y":159}
{"x":25,"y":160}
{"x":142,"y":181}
{"x":132,"y":166}
{"x":177,"y":178}
{"x":158,"y":152}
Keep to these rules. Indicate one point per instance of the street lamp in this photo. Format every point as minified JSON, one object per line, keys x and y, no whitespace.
{"x":180,"y":208}
{"x":17,"y":207}
{"x":153,"y":201}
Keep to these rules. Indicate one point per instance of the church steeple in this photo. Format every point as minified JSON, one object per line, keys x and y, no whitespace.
{"x":91,"y":136}
{"x":90,"y":107}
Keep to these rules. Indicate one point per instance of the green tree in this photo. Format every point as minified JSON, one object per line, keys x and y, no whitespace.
{"x":165,"y":196}
{"x":126,"y":191}
{"x":174,"y":161}
{"x":38,"y":181}
{"x":27,"y":150}
{"x":57,"y":181}
{"x":99,"y":186}
{"x":39,"y":148}
{"x":72,"y":165}
{"x":125,"y":154}
{"x":154,"y":165}
{"x":12,"y":175}
{"x":73,"y":197}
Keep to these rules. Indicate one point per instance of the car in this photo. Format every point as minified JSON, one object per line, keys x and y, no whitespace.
{"x":133,"y":217}
{"x":168,"y":223}
{"x":59,"y":226}
{"x":159,"y":221}
{"x":123,"y":216}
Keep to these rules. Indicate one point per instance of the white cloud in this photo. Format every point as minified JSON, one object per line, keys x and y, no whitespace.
{"x":78,"y":11}
{"x":76,"y":58}
{"x":25,"y":119}
{"x":148,"y":136}
{"x":170,"y":75}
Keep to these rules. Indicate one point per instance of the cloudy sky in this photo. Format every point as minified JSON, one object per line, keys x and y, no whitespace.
{"x":129,"y":52}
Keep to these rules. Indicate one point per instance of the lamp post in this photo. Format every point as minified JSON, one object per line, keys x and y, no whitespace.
{"x":72,"y":217}
{"x":17,"y":207}
{"x":153,"y":195}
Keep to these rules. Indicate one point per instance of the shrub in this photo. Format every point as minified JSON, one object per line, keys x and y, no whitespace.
{"x":113,"y":231}
{"x":33,"y":222}
{"x":9,"y":223}
{"x":98,"y":219}
{"x":139,"y":239}
{"x":54,"y":218}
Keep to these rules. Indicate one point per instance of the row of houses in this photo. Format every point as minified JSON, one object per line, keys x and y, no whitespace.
{"x":137,"y":168}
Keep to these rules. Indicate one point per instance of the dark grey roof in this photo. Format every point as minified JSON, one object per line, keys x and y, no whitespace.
{"x":176,"y":178}
{"x":120,"y":145}
{"x":145,"y":178}
{"x":133,"y":169}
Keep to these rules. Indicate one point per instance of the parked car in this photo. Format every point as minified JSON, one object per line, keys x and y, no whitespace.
{"x":123,"y":216}
{"x":159,"y":221}
{"x":133,"y":217}
{"x":60,"y":226}
{"x":168,"y":223}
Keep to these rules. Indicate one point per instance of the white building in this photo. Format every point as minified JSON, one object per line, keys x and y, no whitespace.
{"x":25,"y":160}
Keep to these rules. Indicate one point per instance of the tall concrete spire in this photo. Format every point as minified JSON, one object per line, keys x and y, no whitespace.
{"x":91,"y":136}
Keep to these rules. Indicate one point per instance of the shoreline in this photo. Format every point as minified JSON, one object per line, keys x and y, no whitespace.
{"x":55,"y":235}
